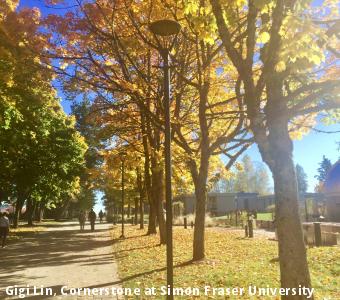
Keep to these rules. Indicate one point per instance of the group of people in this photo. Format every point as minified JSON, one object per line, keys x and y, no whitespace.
{"x":4,"y":223}
{"x":91,"y":217}
{"x":4,"y":228}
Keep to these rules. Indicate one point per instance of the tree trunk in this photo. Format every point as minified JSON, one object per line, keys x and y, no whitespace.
{"x":17,"y":212}
{"x":158,"y":196}
{"x":16,"y":215}
{"x":141,"y":213}
{"x":30,"y":211}
{"x":147,"y":178}
{"x":136,"y":210}
{"x":292,"y":250}
{"x":200,"y":177}
{"x":199,"y":230}
{"x":39,"y":213}
{"x":141,"y":189}
{"x":115,"y":214}
{"x":152,"y":218}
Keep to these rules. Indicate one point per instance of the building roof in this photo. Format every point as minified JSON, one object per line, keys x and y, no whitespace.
{"x":332,"y":182}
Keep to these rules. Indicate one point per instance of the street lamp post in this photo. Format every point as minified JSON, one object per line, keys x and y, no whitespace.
{"x":167,"y":30}
{"x":122,"y":156}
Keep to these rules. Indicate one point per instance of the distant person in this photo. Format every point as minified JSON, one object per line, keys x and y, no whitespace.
{"x":4,"y":228}
{"x":255,"y":214}
{"x":92,"y":218}
{"x":101,"y":216}
{"x":82,"y":219}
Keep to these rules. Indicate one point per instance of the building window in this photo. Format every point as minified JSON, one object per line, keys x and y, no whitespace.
{"x":212,"y":205}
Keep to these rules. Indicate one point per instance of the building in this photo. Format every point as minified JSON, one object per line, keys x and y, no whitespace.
{"x":331,"y":190}
{"x":265,"y":202}
{"x":219,"y":204}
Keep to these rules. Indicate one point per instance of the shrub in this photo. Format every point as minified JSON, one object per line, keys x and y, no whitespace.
{"x":209,"y":221}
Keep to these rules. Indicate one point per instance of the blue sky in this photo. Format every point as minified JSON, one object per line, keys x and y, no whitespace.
{"x":308,"y":152}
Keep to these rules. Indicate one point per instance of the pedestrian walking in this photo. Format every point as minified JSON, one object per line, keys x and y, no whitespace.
{"x":101,"y":215}
{"x":92,"y":218}
{"x":4,"y":228}
{"x":82,"y":219}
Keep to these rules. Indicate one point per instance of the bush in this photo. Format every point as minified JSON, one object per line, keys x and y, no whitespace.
{"x":209,"y":221}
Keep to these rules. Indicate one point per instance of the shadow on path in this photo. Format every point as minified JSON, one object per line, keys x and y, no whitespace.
{"x":38,"y":258}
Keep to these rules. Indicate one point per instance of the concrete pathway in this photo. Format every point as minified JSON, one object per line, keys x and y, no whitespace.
{"x":61,"y":259}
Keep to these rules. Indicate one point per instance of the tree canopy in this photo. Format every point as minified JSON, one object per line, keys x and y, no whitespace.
{"x":243,"y":72}
{"x":41,"y":151}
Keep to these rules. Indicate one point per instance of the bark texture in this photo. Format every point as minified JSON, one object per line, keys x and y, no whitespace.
{"x":158,"y":197}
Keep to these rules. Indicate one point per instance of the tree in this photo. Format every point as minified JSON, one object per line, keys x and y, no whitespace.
{"x":41,"y":151}
{"x":86,"y":197}
{"x":325,"y":166}
{"x":19,"y":73}
{"x":286,"y":63}
{"x":121,"y":82}
{"x":126,"y":71}
{"x":199,"y":111}
{"x":252,"y":178}
{"x":301,"y":177}
{"x":245,"y":178}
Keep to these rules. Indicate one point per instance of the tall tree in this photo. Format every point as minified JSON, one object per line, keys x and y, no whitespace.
{"x":122,"y":64}
{"x":302,"y":180}
{"x":251,"y":178}
{"x":40,"y":149}
{"x":286,"y":63}
{"x":325,"y":166}
{"x":81,"y":111}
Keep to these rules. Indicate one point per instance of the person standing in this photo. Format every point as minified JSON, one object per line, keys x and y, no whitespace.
{"x":92,"y":218}
{"x":4,"y":228}
{"x":101,"y":215}
{"x":82,"y":219}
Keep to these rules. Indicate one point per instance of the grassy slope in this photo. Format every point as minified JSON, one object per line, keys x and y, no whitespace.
{"x":232,"y":261}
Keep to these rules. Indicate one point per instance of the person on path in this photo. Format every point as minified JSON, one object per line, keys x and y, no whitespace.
{"x":4,"y":228}
{"x":82,"y":219}
{"x":92,"y":218}
{"x":101,"y":215}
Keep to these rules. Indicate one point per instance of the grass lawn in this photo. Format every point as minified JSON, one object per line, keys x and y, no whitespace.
{"x":23,"y":229}
{"x":265,"y":216}
{"x":232,"y":261}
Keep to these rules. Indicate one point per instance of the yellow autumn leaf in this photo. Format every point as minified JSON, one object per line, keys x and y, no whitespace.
{"x":280,"y":66}
{"x":263,"y":37}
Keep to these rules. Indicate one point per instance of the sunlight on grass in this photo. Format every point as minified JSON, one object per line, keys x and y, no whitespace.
{"x":27,"y":229}
{"x":20,"y":232}
{"x":232,"y":261}
{"x":265,"y":216}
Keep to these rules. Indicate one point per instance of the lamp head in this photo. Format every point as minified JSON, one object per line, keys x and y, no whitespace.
{"x":165,"y":27}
